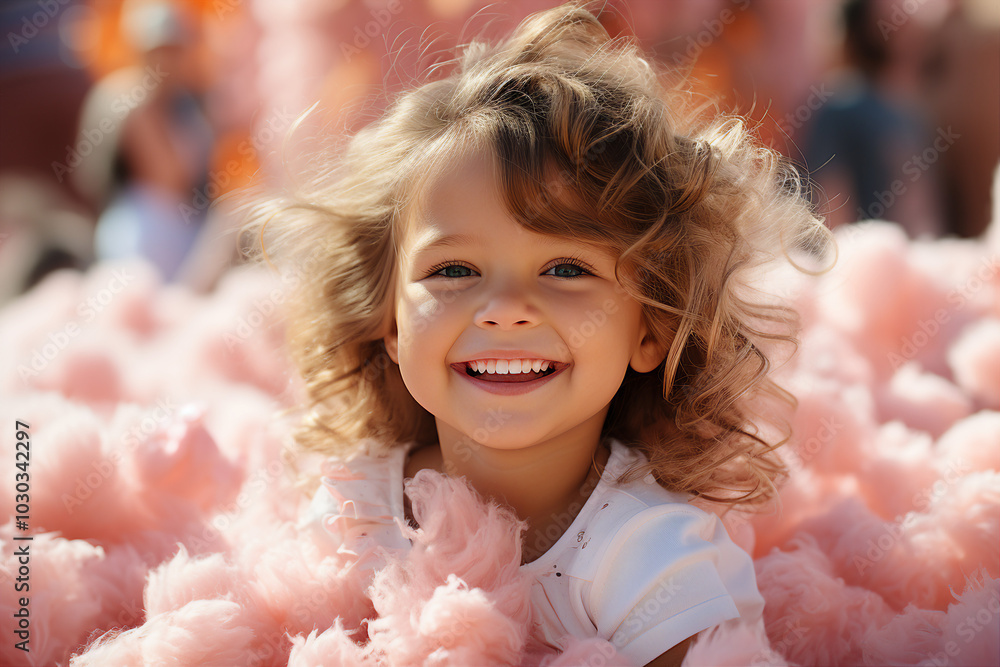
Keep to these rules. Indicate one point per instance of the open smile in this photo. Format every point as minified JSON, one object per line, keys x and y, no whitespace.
{"x":503,"y":376}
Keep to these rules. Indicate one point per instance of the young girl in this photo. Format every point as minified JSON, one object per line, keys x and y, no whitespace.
{"x":530,"y":273}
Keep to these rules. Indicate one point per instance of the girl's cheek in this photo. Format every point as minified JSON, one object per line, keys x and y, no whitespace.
{"x":572,"y":310}
{"x":420,"y":315}
{"x":429,"y":311}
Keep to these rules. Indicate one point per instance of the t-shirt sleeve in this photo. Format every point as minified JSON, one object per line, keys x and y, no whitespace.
{"x":357,"y":505}
{"x":669,"y":573}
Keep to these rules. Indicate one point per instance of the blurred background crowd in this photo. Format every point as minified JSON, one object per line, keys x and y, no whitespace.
{"x":122,"y":121}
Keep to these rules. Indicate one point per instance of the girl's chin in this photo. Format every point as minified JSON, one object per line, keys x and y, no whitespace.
{"x":515,"y":435}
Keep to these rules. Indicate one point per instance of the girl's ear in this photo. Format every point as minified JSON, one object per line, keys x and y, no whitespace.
{"x":649,"y":354}
{"x":391,"y":342}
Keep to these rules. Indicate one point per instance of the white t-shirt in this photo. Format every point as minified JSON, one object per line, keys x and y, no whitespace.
{"x":638,"y":566}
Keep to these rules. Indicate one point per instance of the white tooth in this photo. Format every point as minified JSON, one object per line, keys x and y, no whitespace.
{"x":491,"y":366}
{"x":514,"y":366}
{"x":536,"y":365}
{"x":544,"y":366}
{"x":502,"y":365}
{"x":482,"y":366}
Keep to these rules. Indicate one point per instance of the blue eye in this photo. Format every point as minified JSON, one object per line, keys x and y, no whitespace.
{"x":567,"y":270}
{"x":453,"y":271}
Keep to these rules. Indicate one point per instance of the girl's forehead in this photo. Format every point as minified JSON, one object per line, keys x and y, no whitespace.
{"x":443,"y":168}
{"x":457,"y":192}
{"x":444,"y":192}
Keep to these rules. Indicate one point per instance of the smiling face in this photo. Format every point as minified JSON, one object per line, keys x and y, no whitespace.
{"x":478,"y":293}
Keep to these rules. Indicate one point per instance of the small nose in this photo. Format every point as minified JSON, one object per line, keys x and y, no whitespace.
{"x":507,"y":310}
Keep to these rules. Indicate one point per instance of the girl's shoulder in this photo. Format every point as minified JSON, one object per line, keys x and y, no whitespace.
{"x":648,"y":568}
{"x":642,"y":517}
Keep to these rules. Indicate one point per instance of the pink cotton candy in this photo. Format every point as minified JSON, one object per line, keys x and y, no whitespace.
{"x":182,"y":460}
{"x":971,"y":444}
{"x":911,"y":638}
{"x":88,"y":376}
{"x":813,"y":617}
{"x":332,"y":646}
{"x":975,"y":361}
{"x":179,"y":637}
{"x":484,"y":614}
{"x":922,"y":400}
{"x":969,"y":631}
{"x":74,"y":588}
{"x":901,"y":454}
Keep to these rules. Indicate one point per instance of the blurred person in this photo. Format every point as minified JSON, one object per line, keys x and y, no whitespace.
{"x":41,"y":231}
{"x":869,"y":147}
{"x":152,"y":144}
{"x":964,"y":94}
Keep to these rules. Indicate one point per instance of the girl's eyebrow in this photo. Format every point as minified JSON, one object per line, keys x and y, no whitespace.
{"x":455,"y":240}
{"x":446,"y":241}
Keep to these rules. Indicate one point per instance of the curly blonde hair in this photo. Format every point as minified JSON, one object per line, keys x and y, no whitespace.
{"x":589,"y":142}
